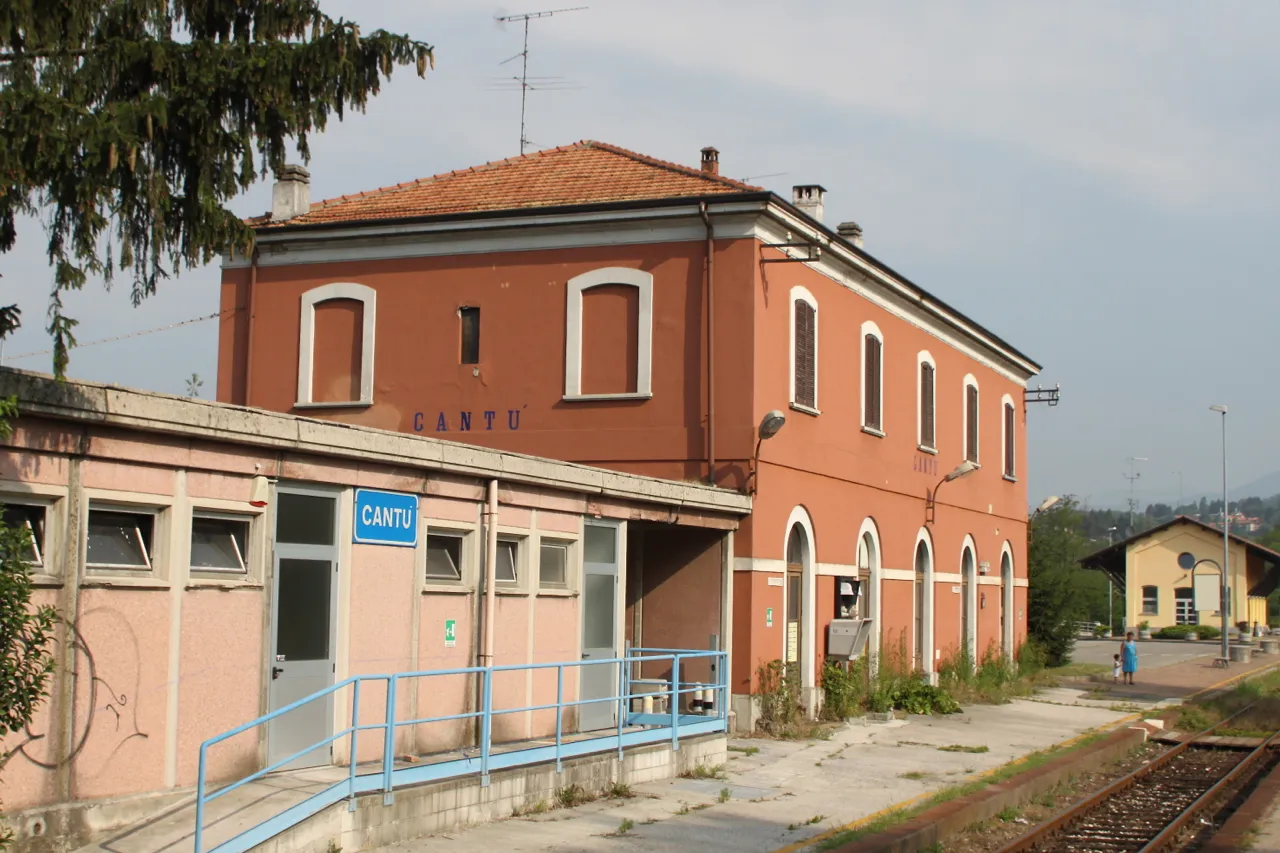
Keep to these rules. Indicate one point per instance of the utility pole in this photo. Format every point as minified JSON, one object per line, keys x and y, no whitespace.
{"x":1111,"y":585}
{"x":523,"y":55}
{"x":1132,"y":477}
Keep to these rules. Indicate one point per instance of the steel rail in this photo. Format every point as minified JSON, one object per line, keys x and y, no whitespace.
{"x":1044,"y":833}
{"x":1169,"y":834}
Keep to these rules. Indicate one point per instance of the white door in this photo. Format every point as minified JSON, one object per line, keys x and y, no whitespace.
{"x":599,"y":634}
{"x":304,"y":598}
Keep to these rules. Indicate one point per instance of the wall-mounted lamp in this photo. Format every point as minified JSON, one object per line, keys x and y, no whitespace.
{"x":769,"y":426}
{"x":259,"y":491}
{"x":984,"y":567}
{"x":964,"y":469}
{"x":982,"y":601}
{"x":1045,"y":505}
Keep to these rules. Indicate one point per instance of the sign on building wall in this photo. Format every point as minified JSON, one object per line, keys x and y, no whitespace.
{"x":386,"y":518}
{"x":450,"y":633}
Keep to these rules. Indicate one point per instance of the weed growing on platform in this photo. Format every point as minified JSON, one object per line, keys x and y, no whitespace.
{"x":573,"y":795}
{"x":748,"y":751}
{"x":724,"y":795}
{"x":705,"y":771}
{"x":1008,"y":814}
{"x":618,"y":791}
{"x":626,"y":826}
{"x":955,"y":747}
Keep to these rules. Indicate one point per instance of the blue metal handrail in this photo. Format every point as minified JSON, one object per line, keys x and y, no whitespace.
{"x":385,"y":779}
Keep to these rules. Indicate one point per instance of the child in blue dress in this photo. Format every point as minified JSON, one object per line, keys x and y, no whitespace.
{"x":1129,"y":657}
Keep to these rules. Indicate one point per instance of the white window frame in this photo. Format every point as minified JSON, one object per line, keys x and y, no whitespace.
{"x":468,"y":533}
{"x":246,"y":558}
{"x":870,"y":328}
{"x":1008,"y":467}
{"x":257,"y":546}
{"x":38,"y":544}
{"x":572,"y":566}
{"x":643,"y":282}
{"x":922,"y":358}
{"x":53,"y":499}
{"x":363,"y":294}
{"x":523,"y":583}
{"x":969,"y":380}
{"x":156,"y":554}
{"x":1142,"y":599}
{"x":802,"y":294}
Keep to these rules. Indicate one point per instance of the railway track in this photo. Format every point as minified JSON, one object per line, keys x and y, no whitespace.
{"x":1162,"y":806}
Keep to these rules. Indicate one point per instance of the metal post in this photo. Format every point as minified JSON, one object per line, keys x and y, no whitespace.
{"x":1226,"y":543}
{"x":623,"y":701}
{"x":389,"y":743}
{"x":559,"y":712}
{"x":355,"y":742}
{"x":200,"y":799}
{"x":675,"y":703}
{"x":486,"y":726}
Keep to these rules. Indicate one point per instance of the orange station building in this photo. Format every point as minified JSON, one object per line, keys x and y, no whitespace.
{"x":595,"y":305}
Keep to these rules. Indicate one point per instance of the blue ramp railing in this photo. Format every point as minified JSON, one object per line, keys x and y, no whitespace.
{"x":633,"y":728}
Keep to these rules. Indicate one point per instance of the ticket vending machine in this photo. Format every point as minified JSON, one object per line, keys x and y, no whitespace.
{"x":847,"y":634}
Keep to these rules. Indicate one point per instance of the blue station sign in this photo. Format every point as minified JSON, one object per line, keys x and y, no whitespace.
{"x":386,"y":518}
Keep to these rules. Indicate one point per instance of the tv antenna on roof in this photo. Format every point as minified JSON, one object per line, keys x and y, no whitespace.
{"x":523,"y":56}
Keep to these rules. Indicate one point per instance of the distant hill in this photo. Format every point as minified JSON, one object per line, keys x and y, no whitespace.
{"x":1265,"y":485}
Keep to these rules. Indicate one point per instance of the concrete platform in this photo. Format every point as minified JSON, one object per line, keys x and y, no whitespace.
{"x":787,"y":794}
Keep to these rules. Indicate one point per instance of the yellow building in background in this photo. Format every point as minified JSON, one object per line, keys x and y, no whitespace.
{"x":1159,"y":592}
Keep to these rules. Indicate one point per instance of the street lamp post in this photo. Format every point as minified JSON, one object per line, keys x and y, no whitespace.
{"x":1226,"y":533}
{"x":1111,"y":587}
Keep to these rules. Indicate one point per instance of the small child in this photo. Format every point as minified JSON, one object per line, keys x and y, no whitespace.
{"x":1115,"y":670}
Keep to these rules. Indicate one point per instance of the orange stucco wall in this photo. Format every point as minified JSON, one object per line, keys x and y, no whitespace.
{"x":824,"y":463}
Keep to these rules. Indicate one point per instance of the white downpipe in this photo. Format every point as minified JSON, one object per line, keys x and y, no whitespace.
{"x":490,"y":573}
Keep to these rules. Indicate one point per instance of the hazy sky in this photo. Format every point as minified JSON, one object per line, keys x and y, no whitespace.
{"x":1091,"y":181}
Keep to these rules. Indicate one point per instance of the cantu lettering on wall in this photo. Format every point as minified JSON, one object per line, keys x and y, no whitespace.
{"x":489,"y":420}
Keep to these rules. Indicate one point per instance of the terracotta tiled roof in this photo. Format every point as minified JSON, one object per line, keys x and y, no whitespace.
{"x":585,"y":172}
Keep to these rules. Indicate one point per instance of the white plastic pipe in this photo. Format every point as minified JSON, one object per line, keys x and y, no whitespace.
{"x":490,"y":573}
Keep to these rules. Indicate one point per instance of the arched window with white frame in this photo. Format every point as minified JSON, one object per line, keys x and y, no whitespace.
{"x":972,"y":410}
{"x":609,"y":335}
{"x":1006,"y":599}
{"x":336,"y":345}
{"x":804,"y":350}
{"x":872,"y":378}
{"x":1008,"y":436}
{"x":926,"y":402}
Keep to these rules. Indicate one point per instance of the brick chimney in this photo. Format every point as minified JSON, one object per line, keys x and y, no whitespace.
{"x":291,"y":194}
{"x":808,"y":197}
{"x":851,"y":231}
{"x":711,"y":160}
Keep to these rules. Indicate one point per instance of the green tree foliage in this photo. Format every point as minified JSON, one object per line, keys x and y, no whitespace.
{"x":25,"y":631}
{"x":128,"y":125}
{"x":1054,"y":602}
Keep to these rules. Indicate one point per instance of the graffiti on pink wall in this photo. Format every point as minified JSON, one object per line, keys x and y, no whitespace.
{"x":107,"y":710}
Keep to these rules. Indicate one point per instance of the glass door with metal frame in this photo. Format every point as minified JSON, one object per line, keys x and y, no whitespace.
{"x":600,"y":553}
{"x":303,"y":615}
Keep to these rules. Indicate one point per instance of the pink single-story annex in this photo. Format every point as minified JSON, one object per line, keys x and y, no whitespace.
{"x":213,"y":563}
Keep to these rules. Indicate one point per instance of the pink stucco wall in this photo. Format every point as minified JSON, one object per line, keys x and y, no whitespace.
{"x":448,"y":694}
{"x":381,"y":634}
{"x":219,"y":691}
{"x":121,"y":704}
{"x":29,"y":773}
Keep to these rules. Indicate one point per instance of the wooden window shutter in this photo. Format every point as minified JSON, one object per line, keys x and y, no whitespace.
{"x":971,"y":424}
{"x":805,"y":355}
{"x":926,"y":405}
{"x":1009,"y":418}
{"x":871,"y":381}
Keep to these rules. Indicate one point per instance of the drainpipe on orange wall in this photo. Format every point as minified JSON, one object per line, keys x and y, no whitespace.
{"x":490,"y":573}
{"x":711,"y":344}
{"x":248,"y":349}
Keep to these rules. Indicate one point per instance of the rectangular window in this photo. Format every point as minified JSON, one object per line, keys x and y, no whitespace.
{"x":971,"y":423}
{"x":220,"y":544}
{"x":119,"y":540}
{"x":927,"y":438}
{"x":806,"y":355}
{"x":470,"y":335}
{"x":444,"y":557}
{"x":1009,"y":417}
{"x":1150,"y":600}
{"x":508,"y":562}
{"x":871,"y":382}
{"x":553,"y":564}
{"x":31,"y":518}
